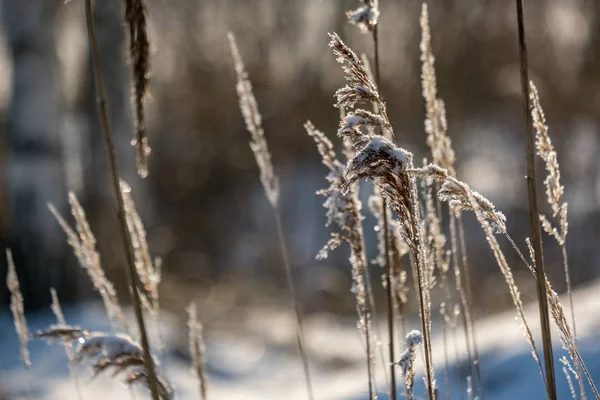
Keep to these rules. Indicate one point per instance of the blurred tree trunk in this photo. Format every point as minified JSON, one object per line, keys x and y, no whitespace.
{"x":34,"y":170}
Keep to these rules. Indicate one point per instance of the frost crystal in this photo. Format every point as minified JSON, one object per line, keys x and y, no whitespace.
{"x":365,"y":17}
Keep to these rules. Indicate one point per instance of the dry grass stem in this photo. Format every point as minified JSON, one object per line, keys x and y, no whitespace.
{"x":17,"y":308}
{"x":139,"y":58}
{"x":436,"y":125}
{"x":554,"y":190}
{"x":253,"y":120}
{"x":466,"y":310}
{"x":197,"y":350}
{"x":148,"y":271}
{"x":344,"y":212}
{"x":534,"y":219}
{"x":83,"y":243}
{"x":60,"y":319}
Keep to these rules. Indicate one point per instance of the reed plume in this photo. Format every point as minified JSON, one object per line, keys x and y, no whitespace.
{"x":436,"y":125}
{"x":197,"y":350}
{"x":148,"y":270}
{"x":270,"y":182}
{"x":253,"y":120}
{"x":139,"y":59}
{"x":17,"y":308}
{"x":379,"y":160}
{"x":366,"y":18}
{"x":554,"y":190}
{"x":461,"y":197}
{"x":83,"y":243}
{"x":554,"y":196}
{"x":567,"y":337}
{"x":439,"y":142}
{"x":344,"y":212}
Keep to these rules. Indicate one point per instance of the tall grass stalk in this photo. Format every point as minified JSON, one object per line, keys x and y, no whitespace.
{"x":17,"y":307}
{"x":344,"y":213}
{"x":436,"y":127}
{"x":471,"y":326}
{"x":389,"y":268}
{"x":375,"y":204}
{"x":366,"y":18}
{"x":554,"y":191}
{"x":399,"y":188}
{"x":83,"y":242}
{"x":253,"y":120}
{"x":554,"y":196}
{"x":466,"y":311}
{"x":534,"y":219}
{"x":114,"y":171}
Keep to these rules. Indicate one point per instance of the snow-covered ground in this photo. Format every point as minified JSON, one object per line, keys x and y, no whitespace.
{"x":261,"y":363}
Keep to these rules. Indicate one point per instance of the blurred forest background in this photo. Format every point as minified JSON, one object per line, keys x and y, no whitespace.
{"x":203,"y":205}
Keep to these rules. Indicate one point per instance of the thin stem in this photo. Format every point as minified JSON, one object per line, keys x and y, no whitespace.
{"x":587,"y":373}
{"x":376,"y":55}
{"x":386,"y":246}
{"x":534,"y":218}
{"x":569,"y":291}
{"x":469,"y":292}
{"x":369,"y":351}
{"x":114,"y":170}
{"x":423,"y":306}
{"x":373,"y":313}
{"x":446,"y":363}
{"x":458,"y":275}
{"x":572,"y":307}
{"x":390,"y":301}
{"x":459,"y":377}
{"x":295,"y":303}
